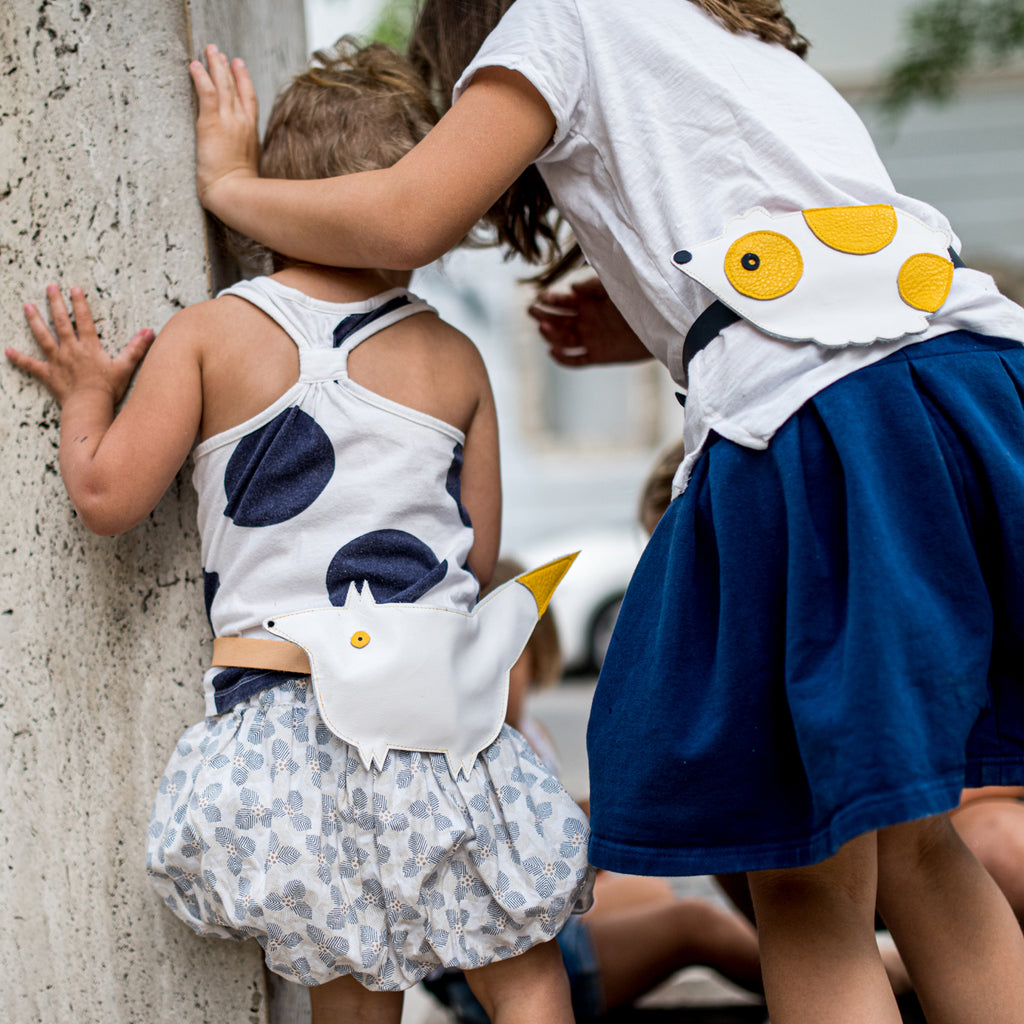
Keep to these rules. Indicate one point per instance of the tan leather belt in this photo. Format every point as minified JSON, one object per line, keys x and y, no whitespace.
{"x":252,"y":652}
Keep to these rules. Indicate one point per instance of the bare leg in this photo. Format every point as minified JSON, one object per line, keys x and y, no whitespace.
{"x":528,"y":989}
{"x":992,"y":826}
{"x":345,"y":1001}
{"x":819,"y":956}
{"x":958,"y":937}
{"x":624,"y":892}
{"x":736,"y":887}
{"x":639,"y":947}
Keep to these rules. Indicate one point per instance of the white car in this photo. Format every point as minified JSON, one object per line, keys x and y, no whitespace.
{"x":587,"y":600}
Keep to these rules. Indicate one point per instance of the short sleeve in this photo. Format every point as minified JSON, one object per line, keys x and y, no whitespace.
{"x":542,"y":40}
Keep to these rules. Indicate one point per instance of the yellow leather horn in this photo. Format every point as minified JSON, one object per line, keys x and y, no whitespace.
{"x":542,"y":582}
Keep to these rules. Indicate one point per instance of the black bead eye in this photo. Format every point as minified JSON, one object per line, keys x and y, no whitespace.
{"x":683,"y":256}
{"x":750,"y":261}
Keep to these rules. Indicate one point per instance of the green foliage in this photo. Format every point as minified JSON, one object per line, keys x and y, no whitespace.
{"x":947,"y":38}
{"x":394,"y":25}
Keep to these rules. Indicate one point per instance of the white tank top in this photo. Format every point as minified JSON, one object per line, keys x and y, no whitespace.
{"x":332,"y":484}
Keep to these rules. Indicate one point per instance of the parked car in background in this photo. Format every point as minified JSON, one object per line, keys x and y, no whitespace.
{"x":587,"y":600}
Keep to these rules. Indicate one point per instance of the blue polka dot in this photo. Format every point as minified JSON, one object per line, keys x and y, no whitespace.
{"x":398,"y":567}
{"x":357,"y":321}
{"x":453,"y":485}
{"x":278,"y":471}
{"x":211,"y":584}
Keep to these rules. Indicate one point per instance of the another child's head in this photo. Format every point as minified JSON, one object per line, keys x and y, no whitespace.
{"x":656,"y":492}
{"x":540,"y":664}
{"x":353,"y":109}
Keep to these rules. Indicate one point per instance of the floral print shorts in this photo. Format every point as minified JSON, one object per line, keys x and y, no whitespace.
{"x":268,"y":825}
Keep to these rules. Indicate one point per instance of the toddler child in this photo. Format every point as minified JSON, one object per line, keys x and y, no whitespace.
{"x":347,"y":457}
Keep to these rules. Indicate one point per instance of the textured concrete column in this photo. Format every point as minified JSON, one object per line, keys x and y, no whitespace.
{"x":102,"y":642}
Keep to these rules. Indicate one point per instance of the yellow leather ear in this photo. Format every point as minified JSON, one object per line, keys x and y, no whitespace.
{"x":542,"y":582}
{"x":924,"y":281}
{"x":763,"y":265}
{"x":854,"y":229}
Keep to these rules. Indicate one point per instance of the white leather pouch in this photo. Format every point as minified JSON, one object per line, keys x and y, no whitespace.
{"x":413,"y":677}
{"x":842,"y":275}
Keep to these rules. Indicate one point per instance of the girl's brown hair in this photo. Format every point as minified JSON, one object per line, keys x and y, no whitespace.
{"x":446,"y":37}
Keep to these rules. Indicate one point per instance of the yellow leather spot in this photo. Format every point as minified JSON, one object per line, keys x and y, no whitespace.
{"x":855,"y":229}
{"x":924,"y":281}
{"x":360,"y":639}
{"x":763,"y":265}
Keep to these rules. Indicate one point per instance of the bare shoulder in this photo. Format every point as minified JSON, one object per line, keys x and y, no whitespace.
{"x":429,"y":337}
{"x":214,"y":317}
{"x":427,"y":364}
{"x":246,"y":359}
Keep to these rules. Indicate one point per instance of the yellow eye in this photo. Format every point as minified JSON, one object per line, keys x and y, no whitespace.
{"x":360,"y":639}
{"x":763,"y":265}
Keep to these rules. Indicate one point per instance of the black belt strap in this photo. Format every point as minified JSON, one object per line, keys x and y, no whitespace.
{"x":708,"y":326}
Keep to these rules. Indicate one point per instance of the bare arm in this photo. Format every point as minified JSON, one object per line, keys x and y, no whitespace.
{"x":116,"y":468}
{"x":481,"y":488}
{"x":400,"y":217}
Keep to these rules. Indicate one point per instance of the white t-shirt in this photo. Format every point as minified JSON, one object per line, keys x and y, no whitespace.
{"x":668,"y":126}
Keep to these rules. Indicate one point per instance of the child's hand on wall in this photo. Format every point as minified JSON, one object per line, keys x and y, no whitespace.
{"x":227,"y":132}
{"x":75,"y":361}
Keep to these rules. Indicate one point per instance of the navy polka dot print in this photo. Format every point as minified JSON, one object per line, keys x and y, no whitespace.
{"x":328,"y":487}
{"x":211,"y":582}
{"x":398,"y":567}
{"x":278,"y":471}
{"x":453,"y":485}
{"x":356,"y":321}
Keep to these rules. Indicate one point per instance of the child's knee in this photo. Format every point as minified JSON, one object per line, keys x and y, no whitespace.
{"x":537,"y":973}
{"x":846,"y":877}
{"x":916,"y":843}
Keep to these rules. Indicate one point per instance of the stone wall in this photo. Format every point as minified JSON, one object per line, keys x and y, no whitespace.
{"x":103,"y":641}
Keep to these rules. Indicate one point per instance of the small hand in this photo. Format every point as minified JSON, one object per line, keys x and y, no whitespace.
{"x":74,"y":361}
{"x":582,"y":327}
{"x":227,"y":132}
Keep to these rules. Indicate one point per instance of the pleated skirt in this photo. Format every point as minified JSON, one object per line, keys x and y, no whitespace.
{"x":825,"y":637}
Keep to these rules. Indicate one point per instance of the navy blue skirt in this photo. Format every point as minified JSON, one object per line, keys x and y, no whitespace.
{"x":825,"y":637}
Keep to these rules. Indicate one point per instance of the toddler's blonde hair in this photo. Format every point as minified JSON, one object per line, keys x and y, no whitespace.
{"x":355,"y":108}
